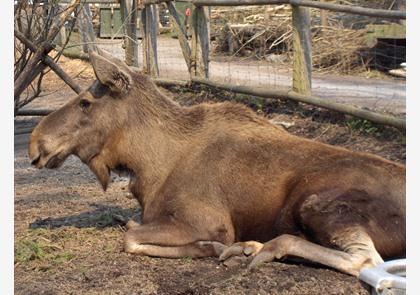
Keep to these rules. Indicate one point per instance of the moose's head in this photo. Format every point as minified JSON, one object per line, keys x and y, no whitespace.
{"x":92,"y":120}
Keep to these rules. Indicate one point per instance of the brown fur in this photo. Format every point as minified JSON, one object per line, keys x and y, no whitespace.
{"x":220,"y":173}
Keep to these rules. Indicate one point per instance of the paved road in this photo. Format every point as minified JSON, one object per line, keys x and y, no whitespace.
{"x":384,"y":95}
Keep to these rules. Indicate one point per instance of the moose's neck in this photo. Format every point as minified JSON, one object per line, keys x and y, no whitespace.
{"x":155,"y":139}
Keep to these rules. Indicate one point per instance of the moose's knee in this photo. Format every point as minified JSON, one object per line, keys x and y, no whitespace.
{"x":131,"y":224}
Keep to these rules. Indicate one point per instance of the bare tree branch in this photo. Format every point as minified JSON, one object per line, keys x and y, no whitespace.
{"x":37,"y":23}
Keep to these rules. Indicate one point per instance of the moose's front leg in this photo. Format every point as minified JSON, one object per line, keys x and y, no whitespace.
{"x":170,"y":239}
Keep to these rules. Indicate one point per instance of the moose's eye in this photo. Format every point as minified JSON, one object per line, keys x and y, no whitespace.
{"x":84,"y":104}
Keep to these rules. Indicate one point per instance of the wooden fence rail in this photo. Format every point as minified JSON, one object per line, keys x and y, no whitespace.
{"x":308,"y":99}
{"x":382,"y":13}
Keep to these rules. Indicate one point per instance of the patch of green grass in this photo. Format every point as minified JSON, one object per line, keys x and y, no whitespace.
{"x":256,"y":103}
{"x":28,"y":250}
{"x":188,"y":259}
{"x":378,"y":131}
{"x":363,"y":126}
{"x":63,"y":257}
{"x":40,"y":244}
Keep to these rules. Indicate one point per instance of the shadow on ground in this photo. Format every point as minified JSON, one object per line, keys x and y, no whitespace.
{"x":101,"y":217}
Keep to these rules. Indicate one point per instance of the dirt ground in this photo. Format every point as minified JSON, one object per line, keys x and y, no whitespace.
{"x":68,"y":232}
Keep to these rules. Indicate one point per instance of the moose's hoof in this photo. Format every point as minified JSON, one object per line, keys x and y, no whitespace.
{"x":240,"y":252}
{"x":262,"y":257}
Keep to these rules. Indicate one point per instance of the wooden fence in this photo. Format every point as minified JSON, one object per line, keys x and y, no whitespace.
{"x":196,"y":52}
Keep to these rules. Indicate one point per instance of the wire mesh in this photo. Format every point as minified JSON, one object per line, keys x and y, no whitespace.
{"x":253,"y":46}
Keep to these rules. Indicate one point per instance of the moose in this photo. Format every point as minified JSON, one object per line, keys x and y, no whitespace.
{"x":219,"y":180}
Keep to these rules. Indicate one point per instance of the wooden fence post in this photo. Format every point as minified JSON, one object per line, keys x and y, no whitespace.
{"x":81,"y":29}
{"x":302,"y":53}
{"x":63,"y":36}
{"x":200,"y":46}
{"x":131,"y":47}
{"x":87,"y":35}
{"x":63,"y":30}
{"x":181,"y":32}
{"x":149,"y":30}
{"x":143,"y":31}
{"x":324,"y":17}
{"x":123,"y":16}
{"x":133,"y":32}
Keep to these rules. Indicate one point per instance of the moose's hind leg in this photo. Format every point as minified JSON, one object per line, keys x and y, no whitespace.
{"x":341,"y":226}
{"x":335,"y":233}
{"x":356,"y":251}
{"x":357,"y":254}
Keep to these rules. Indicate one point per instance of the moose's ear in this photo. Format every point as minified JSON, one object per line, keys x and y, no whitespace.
{"x":117,"y":78}
{"x":108,"y":56}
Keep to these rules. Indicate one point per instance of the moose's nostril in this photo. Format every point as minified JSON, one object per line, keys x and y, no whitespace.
{"x":36,"y":160}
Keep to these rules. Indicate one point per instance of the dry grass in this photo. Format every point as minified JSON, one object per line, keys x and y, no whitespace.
{"x":337,"y":49}
{"x":264,"y":31}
